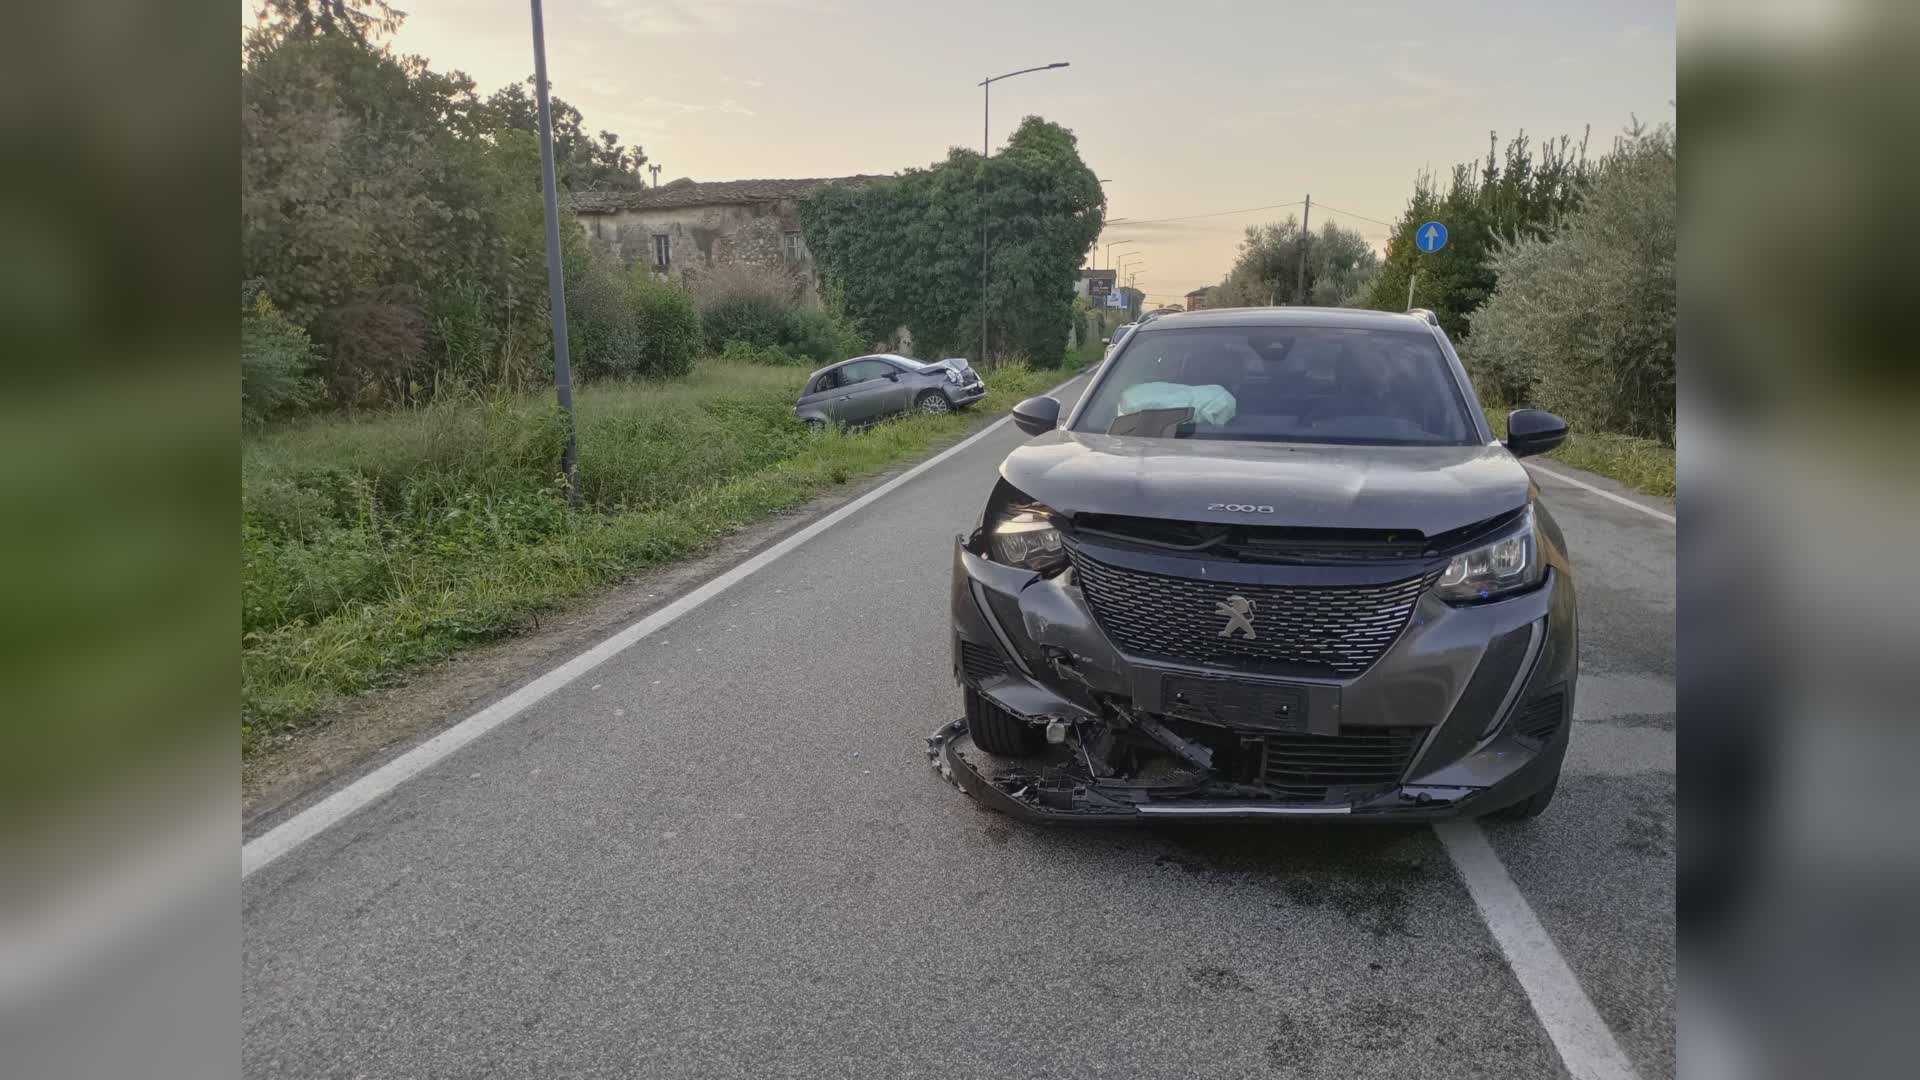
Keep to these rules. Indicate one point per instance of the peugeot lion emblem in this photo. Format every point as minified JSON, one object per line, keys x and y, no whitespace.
{"x":1239,"y":612}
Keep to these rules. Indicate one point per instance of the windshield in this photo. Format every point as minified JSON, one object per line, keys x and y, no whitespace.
{"x":1281,"y":384}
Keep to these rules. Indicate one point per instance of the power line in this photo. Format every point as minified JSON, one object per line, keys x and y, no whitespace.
{"x":1120,"y":222}
{"x":1362,"y":217}
{"x":1190,"y":217}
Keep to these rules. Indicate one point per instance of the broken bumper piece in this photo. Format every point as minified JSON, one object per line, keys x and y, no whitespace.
{"x":1054,"y":790}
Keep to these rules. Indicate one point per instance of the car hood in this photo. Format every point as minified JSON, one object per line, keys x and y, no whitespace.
{"x":1433,"y":489}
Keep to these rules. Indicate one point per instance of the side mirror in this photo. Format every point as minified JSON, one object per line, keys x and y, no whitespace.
{"x":893,"y":376}
{"x":1534,"y":431}
{"x":1037,"y":415}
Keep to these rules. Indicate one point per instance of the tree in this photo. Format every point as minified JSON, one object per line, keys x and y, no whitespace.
{"x":581,"y":162}
{"x":905,"y":250}
{"x":360,"y":23}
{"x":1340,"y":265}
{"x":1506,"y":199}
{"x":394,"y":214}
{"x":1583,"y":320}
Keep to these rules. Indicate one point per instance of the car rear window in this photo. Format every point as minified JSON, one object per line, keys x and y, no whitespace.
{"x":1281,"y":384}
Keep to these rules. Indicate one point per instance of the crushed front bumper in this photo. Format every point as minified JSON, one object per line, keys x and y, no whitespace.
{"x":1476,"y":700}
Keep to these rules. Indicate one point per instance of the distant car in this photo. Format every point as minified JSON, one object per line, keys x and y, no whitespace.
{"x":866,"y":389}
{"x":1119,"y":335}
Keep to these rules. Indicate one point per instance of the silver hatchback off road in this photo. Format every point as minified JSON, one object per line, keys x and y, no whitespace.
{"x":870,"y":388}
{"x":1273,"y":564}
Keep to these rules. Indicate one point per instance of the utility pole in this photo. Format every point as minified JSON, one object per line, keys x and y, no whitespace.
{"x":986,"y":151}
{"x":556,"y":277}
{"x":655,"y":170}
{"x":1300,"y":284}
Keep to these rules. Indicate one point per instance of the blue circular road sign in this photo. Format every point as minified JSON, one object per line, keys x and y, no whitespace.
{"x":1430,"y":237}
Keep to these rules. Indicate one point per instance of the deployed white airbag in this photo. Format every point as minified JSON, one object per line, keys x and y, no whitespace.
{"x":1211,"y":404}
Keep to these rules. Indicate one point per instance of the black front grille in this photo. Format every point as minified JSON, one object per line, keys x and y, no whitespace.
{"x":1304,"y":766}
{"x":1541,"y":718}
{"x":980,"y":663}
{"x":1302,"y":630}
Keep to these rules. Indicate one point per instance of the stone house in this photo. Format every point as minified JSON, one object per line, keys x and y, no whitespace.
{"x":685,"y":227}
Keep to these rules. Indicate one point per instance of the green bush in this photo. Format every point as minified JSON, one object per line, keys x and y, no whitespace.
{"x":1583,"y":320}
{"x":762,"y":308}
{"x":820,"y":335}
{"x":276,"y":362}
{"x":463,"y":336}
{"x":746,"y":352}
{"x":603,"y":327}
{"x":668,"y":324}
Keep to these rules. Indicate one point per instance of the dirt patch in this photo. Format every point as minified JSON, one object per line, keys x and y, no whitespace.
{"x":387,"y":721}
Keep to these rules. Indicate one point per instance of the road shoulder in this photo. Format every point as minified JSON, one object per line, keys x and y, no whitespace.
{"x":365,"y":731}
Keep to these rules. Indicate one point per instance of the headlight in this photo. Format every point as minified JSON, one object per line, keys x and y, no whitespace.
{"x":1508,"y":564}
{"x":953,"y":376}
{"x":1026,"y":537}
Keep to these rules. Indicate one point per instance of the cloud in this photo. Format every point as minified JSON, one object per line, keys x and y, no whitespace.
{"x":655,"y":113}
{"x":657,"y":17}
{"x":664,"y":17}
{"x":1433,"y":85}
{"x":754,"y":84}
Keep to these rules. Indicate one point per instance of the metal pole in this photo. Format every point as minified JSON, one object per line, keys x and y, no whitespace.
{"x":986,"y":150}
{"x":1300,"y":284}
{"x":1411,"y":278}
{"x":986,"y":111}
{"x":556,"y":276}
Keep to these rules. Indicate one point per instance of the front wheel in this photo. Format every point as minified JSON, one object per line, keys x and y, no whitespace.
{"x":933,"y":403}
{"x":1530,"y":807}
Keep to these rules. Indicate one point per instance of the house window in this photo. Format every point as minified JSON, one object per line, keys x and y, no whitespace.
{"x":791,"y":246}
{"x":662,"y":251}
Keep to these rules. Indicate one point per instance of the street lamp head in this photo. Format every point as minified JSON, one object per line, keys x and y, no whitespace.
{"x":1057,"y":64}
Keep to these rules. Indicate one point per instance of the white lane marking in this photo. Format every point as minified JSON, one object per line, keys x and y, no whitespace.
{"x":1603,"y":493}
{"x":330,"y":811}
{"x":1585,"y":1045}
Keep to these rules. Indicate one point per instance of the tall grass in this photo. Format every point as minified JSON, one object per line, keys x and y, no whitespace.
{"x":373,"y":546}
{"x":1643,"y":464}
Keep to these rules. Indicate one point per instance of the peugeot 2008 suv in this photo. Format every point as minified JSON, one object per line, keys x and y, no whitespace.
{"x":1274,"y":563}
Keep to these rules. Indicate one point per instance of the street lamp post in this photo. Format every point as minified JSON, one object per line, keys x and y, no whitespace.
{"x":986,"y":151}
{"x":1110,"y":247}
{"x":556,"y":278}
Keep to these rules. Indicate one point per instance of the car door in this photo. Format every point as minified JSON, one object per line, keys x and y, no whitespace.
{"x":823,"y":397}
{"x":873,"y":390}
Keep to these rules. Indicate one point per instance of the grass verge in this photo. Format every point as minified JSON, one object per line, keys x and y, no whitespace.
{"x":374,"y":546}
{"x":1642,"y":464}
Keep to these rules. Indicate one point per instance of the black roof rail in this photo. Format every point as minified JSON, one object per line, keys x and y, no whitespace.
{"x":1425,"y":313}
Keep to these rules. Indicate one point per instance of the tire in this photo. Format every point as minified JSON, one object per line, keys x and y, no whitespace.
{"x":998,"y":731}
{"x":932,"y":403}
{"x":816,"y":426}
{"x":1530,"y":807}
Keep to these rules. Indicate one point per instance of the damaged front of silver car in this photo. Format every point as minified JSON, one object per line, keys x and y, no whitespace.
{"x":1174,"y":628}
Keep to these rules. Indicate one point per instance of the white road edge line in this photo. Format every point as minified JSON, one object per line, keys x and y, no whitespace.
{"x":337,"y":807}
{"x":1585,"y":1045}
{"x":1603,"y":493}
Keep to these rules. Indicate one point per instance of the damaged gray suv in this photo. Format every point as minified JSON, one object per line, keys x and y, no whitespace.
{"x":1274,"y":563}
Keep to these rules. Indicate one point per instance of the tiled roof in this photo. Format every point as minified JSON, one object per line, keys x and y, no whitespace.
{"x":682,"y":193}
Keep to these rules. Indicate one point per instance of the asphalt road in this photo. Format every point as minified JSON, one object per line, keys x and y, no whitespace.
{"x":722,"y":853}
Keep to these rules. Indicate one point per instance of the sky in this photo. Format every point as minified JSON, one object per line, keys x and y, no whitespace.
{"x":1184,"y":109}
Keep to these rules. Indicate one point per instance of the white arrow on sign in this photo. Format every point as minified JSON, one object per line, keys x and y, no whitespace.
{"x":1431,"y":234}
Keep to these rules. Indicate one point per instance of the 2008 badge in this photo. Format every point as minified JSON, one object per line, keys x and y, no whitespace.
{"x":1241,"y":508}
